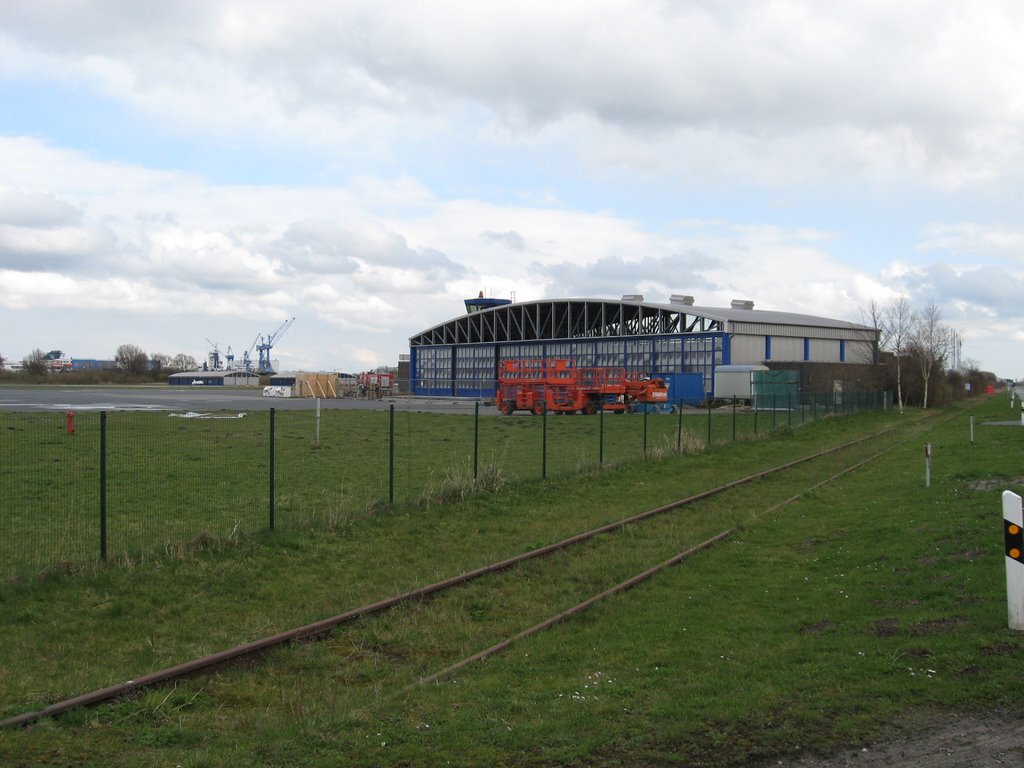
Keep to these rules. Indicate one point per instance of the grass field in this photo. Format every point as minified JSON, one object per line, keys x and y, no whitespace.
{"x":816,"y":626}
{"x":170,"y":481}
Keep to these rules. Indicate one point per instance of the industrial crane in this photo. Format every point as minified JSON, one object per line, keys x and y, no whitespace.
{"x":264,"y":347}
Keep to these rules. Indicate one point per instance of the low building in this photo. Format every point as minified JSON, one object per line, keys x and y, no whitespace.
{"x":236,"y":378}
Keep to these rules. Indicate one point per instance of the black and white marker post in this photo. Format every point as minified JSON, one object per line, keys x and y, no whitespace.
{"x":1013,"y":537}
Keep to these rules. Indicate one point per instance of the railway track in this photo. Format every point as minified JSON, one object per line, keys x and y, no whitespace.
{"x":325,"y":627}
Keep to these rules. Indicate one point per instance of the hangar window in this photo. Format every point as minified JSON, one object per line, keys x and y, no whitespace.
{"x":584,"y":354}
{"x":474,"y":370}
{"x":609,"y":353}
{"x":434,"y":366}
{"x":700,"y":355}
{"x":668,"y":355}
{"x":638,"y":356}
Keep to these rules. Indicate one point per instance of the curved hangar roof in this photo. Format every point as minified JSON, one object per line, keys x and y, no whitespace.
{"x":596,"y":318}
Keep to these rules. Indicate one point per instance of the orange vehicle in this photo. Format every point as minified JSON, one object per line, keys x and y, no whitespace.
{"x":645,"y":390}
{"x":560,"y":387}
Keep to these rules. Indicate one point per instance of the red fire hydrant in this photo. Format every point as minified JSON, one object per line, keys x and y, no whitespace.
{"x":71,"y":422}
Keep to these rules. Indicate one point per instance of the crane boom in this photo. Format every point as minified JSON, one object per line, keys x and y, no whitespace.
{"x":280,"y":331}
{"x":264,"y":347}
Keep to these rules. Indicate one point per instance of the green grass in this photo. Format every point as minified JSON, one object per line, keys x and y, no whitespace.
{"x":814,"y":627}
{"x":174,"y":483}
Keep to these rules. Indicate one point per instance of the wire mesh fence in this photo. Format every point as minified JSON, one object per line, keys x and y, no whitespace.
{"x":129,"y":484}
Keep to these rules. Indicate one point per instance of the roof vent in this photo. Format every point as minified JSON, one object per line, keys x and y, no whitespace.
{"x":742,"y":304}
{"x":632,"y":297}
{"x":677,"y":298}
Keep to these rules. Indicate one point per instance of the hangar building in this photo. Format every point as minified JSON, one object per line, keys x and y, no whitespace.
{"x":677,"y":340}
{"x":234,"y":378}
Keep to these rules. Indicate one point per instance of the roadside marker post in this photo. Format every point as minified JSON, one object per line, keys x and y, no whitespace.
{"x":1013,"y":537}
{"x":316,"y":440}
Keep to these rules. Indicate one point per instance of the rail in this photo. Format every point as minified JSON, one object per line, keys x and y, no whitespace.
{"x":325,"y":626}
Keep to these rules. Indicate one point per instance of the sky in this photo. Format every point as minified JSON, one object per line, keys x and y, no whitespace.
{"x":188,"y":175}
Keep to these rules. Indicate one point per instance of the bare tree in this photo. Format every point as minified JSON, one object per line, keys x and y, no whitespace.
{"x":131,"y":359}
{"x":899,"y":323}
{"x":158,"y":361}
{"x":931,"y":342}
{"x":182,"y":362}
{"x":34,"y":362}
{"x":872,"y":316}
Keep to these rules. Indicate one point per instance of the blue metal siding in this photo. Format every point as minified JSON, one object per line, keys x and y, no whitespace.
{"x":471,"y":370}
{"x":685,"y":388}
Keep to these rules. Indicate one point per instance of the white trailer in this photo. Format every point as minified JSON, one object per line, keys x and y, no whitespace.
{"x":277,"y":391}
{"x":736,"y":381}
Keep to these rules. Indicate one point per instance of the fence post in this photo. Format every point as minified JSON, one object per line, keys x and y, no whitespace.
{"x":734,"y":418}
{"x":645,"y":429}
{"x":679,"y":429}
{"x":709,"y":423}
{"x":273,"y":492}
{"x":391,"y":454}
{"x":103,"y":485}
{"x":600,"y":438}
{"x":476,"y":438}
{"x":544,"y":445}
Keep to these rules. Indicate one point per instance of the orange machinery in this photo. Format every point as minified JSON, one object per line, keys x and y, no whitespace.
{"x":558,"y":386}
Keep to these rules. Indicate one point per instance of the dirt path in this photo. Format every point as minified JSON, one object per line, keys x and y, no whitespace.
{"x":945,"y":741}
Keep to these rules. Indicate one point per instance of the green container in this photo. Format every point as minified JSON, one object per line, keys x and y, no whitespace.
{"x":774,"y":389}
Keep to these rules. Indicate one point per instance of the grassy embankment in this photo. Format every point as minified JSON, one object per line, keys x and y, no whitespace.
{"x":815,"y":626}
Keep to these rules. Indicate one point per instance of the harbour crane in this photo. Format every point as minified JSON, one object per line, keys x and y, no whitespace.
{"x":263,"y":346}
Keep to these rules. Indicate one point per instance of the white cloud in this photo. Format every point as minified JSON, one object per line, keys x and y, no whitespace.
{"x":726,"y":150}
{"x":212,"y":251}
{"x":794,"y":88}
{"x":972,"y":239}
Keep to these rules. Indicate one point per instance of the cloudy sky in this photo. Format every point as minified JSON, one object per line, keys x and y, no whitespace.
{"x":185,"y":173}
